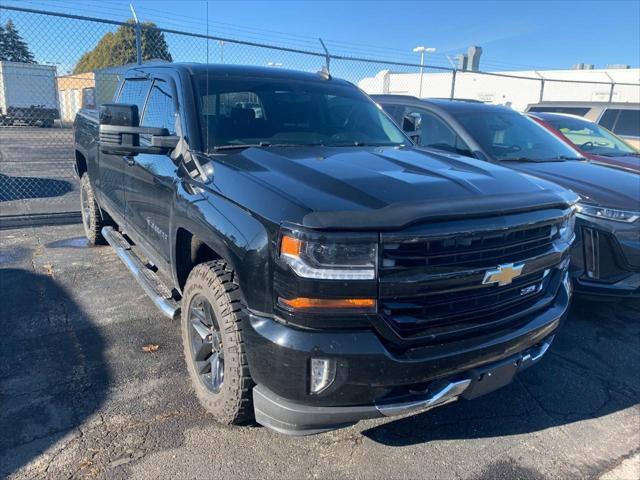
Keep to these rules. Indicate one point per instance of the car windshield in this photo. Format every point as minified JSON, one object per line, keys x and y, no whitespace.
{"x":506,"y":135}
{"x":237,"y":112}
{"x":590,"y":137}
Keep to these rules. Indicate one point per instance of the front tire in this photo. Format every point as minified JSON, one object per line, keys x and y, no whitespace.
{"x":212,"y":320}
{"x":92,"y":220}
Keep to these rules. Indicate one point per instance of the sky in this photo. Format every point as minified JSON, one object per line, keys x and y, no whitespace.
{"x":514,"y":35}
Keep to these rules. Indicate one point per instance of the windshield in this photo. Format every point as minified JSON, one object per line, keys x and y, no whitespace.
{"x":506,"y":135}
{"x":590,"y":137}
{"x":237,"y":111}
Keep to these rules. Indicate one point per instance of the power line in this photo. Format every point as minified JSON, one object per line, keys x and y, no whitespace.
{"x":341,"y":47}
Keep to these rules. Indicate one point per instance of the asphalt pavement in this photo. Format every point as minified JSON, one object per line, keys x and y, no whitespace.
{"x":79,"y":396}
{"x":37,"y":171}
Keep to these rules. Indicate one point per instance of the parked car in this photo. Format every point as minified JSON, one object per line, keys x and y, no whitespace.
{"x":324,"y":269}
{"x":623,"y":119}
{"x":590,"y":139}
{"x":606,"y":255}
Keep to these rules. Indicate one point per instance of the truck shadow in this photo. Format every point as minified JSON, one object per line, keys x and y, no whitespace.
{"x":22,"y":188}
{"x":53,"y":376}
{"x":590,"y":371}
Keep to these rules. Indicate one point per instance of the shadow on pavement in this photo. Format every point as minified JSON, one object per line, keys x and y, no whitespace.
{"x":590,"y":371}
{"x":22,"y":188}
{"x":52,"y":372}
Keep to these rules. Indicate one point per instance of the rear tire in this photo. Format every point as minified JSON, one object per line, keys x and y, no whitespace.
{"x":91,"y":218}
{"x":213,"y":317}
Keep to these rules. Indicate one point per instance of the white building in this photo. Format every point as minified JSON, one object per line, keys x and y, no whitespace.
{"x":529,"y":88}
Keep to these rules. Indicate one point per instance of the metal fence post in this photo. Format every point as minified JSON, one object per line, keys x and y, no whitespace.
{"x":541,"y":86}
{"x":453,"y":83}
{"x":138,"y":31}
{"x":613,"y":86}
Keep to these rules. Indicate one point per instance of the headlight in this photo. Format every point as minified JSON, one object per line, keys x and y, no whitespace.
{"x":626,"y":216}
{"x":330,"y":256}
{"x":567,"y":227}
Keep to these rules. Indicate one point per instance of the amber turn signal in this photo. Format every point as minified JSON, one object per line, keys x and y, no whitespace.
{"x":302,"y":303}
{"x":290,"y":246}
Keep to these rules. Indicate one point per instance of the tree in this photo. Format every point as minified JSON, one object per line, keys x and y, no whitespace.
{"x":12,"y":47}
{"x":119,"y":48}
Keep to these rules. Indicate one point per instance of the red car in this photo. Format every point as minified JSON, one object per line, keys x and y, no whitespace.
{"x":590,"y":139}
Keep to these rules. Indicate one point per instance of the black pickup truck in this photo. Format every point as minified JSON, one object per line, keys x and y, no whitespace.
{"x":323,"y":269}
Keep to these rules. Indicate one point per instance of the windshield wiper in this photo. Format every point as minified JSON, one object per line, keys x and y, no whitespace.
{"x":559,"y":158}
{"x":241,"y":145}
{"x":364,"y":144}
{"x":519,"y":159}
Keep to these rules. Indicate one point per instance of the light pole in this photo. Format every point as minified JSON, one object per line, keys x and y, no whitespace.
{"x":421,"y":51}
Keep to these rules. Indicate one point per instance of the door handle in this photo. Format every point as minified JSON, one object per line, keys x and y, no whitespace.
{"x":130,"y":160}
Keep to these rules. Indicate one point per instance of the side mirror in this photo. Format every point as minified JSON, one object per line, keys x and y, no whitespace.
{"x":120,"y":114}
{"x":412,"y":125}
{"x":120,"y":133}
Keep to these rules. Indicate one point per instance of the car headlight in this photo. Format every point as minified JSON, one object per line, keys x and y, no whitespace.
{"x":567,"y":228}
{"x":617,"y":215}
{"x":326,"y":256}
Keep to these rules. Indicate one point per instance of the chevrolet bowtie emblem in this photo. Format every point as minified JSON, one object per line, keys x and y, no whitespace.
{"x":503,"y":275}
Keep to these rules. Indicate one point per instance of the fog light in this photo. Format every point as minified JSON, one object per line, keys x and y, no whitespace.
{"x":323,"y":373}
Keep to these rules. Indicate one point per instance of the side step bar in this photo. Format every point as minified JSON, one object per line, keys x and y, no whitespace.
{"x":147,"y":278}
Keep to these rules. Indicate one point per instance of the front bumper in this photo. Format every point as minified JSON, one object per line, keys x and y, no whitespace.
{"x":605,"y":258}
{"x":374,"y":381}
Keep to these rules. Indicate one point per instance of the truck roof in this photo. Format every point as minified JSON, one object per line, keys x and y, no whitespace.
{"x":241,"y":70}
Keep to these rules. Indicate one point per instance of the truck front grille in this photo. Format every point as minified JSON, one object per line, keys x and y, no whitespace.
{"x":431,"y":285}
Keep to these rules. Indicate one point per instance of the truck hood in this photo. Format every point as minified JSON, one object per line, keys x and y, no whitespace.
{"x":376,"y":187}
{"x":631,"y":162}
{"x":596,"y":184}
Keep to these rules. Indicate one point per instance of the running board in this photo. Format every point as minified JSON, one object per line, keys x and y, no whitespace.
{"x":147,"y":278}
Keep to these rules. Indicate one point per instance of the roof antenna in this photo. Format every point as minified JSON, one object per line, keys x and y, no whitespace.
{"x":324,"y":72}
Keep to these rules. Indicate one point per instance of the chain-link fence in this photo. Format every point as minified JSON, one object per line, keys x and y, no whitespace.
{"x":57,"y":64}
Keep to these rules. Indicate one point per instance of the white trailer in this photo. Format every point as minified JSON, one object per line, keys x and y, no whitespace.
{"x":28,"y":94}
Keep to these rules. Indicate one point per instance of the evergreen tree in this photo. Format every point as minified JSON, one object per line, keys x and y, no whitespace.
{"x":119,"y":48}
{"x":12,"y":47}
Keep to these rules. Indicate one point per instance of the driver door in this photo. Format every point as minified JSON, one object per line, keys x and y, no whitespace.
{"x":112,"y":167}
{"x":151,"y":178}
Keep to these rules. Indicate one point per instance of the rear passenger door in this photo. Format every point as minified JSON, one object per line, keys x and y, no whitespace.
{"x":151,"y":178}
{"x":111,"y":168}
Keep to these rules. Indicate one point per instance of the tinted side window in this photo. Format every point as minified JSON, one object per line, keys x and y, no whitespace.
{"x":435,"y":133}
{"x":608,"y":119}
{"x":134,"y":92}
{"x":628,"y":123}
{"x":160,"y":111}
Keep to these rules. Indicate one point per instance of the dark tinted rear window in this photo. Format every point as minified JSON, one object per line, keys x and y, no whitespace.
{"x":581,"y":111}
{"x":608,"y":119}
{"x":628,"y":123}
